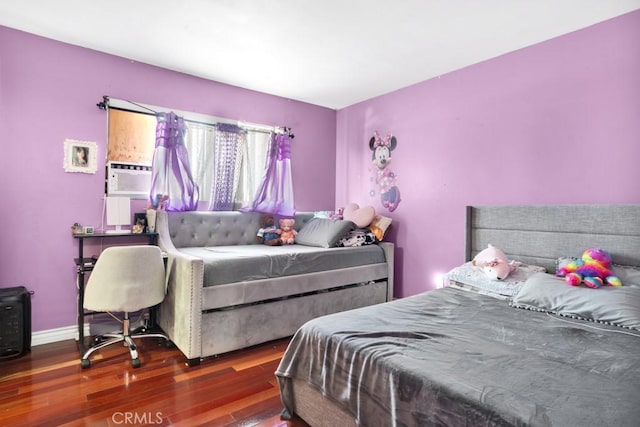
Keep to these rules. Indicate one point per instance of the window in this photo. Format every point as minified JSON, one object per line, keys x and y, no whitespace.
{"x":131,"y":142}
{"x":250,"y":157}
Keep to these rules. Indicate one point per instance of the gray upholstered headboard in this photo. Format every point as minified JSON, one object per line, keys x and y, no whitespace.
{"x":214,"y":228}
{"x":540,"y":234}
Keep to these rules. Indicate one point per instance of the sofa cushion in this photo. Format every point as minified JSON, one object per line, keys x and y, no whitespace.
{"x":323,"y":232}
{"x":206,"y":228}
{"x":245,"y":263}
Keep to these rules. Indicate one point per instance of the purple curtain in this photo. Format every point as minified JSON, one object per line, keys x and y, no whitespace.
{"x":171,"y":177}
{"x":228,"y":160}
{"x":275,"y":194}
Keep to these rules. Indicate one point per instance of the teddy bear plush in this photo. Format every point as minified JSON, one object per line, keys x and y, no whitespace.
{"x":287,"y":232}
{"x":494,"y":263}
{"x":268,"y":233}
{"x":592,"y":270}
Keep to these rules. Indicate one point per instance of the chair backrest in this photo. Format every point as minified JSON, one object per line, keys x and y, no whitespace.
{"x":126,"y":278}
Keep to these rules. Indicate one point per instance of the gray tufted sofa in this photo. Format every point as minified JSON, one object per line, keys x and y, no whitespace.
{"x":226,"y":292}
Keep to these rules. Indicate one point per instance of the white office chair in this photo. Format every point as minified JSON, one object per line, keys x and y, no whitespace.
{"x":125,"y":279}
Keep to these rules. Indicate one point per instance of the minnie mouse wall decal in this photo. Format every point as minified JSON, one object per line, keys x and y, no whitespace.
{"x":381,"y":148}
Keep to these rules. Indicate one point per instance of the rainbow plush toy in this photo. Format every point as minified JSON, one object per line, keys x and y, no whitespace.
{"x":592,"y":270}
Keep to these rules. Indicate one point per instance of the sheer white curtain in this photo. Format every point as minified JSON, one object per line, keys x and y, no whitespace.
{"x":227,"y":151}
{"x":254,"y":162}
{"x":275,"y":192}
{"x":171,"y":177}
{"x":199,"y":143}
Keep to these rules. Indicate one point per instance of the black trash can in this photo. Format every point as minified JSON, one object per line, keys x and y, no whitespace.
{"x":15,"y":322}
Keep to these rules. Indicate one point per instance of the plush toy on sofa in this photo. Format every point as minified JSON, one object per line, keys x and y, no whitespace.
{"x":287,"y":232}
{"x":360,"y":216}
{"x":494,"y":263}
{"x":268,"y":234}
{"x":592,"y":270}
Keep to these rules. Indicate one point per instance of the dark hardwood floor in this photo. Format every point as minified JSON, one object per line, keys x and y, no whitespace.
{"x":47,"y":387}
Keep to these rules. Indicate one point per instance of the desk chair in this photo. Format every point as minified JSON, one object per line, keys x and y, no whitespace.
{"x":125,"y":279}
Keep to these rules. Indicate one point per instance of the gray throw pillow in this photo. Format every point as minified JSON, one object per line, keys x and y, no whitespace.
{"x":323,"y":232}
{"x":616,"y":306}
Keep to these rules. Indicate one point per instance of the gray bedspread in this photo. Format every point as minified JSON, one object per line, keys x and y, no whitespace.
{"x":240,"y":263}
{"x":455,"y":358}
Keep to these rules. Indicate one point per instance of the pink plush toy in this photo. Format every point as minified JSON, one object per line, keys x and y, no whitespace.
{"x":361,"y":217}
{"x":494,"y":263}
{"x":288,"y":234}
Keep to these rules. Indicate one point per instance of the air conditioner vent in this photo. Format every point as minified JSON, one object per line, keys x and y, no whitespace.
{"x":128,"y":179}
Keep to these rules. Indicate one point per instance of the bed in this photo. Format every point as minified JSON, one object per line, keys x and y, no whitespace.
{"x":548,"y":354}
{"x":226,"y":292}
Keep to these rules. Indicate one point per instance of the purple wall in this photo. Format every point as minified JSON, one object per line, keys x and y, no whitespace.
{"x":554,"y":123}
{"x":557,"y":122}
{"x":48,"y":92}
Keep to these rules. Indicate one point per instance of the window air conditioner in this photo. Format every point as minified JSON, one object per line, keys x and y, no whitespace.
{"x":128,"y":179}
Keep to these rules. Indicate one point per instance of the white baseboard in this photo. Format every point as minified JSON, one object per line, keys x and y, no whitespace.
{"x":100,"y":323}
{"x":58,"y":334}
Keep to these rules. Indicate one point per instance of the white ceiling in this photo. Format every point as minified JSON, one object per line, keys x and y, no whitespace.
{"x":332,"y":53}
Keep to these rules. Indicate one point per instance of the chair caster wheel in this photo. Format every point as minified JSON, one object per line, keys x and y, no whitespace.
{"x":135,"y":363}
{"x":85,"y":363}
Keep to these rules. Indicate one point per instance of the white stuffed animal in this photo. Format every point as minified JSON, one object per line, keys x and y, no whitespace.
{"x":494,"y":263}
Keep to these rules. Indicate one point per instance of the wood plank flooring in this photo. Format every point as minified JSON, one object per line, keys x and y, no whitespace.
{"x":47,"y":387}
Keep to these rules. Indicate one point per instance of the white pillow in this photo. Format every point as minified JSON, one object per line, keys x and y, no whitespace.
{"x":473,"y":278}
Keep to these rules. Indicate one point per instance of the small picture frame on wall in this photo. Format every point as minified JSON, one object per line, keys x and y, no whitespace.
{"x":80,"y":156}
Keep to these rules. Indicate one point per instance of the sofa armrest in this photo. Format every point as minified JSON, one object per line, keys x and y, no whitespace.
{"x":162,"y":228}
{"x":388,"y":249}
{"x":180,"y":314}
